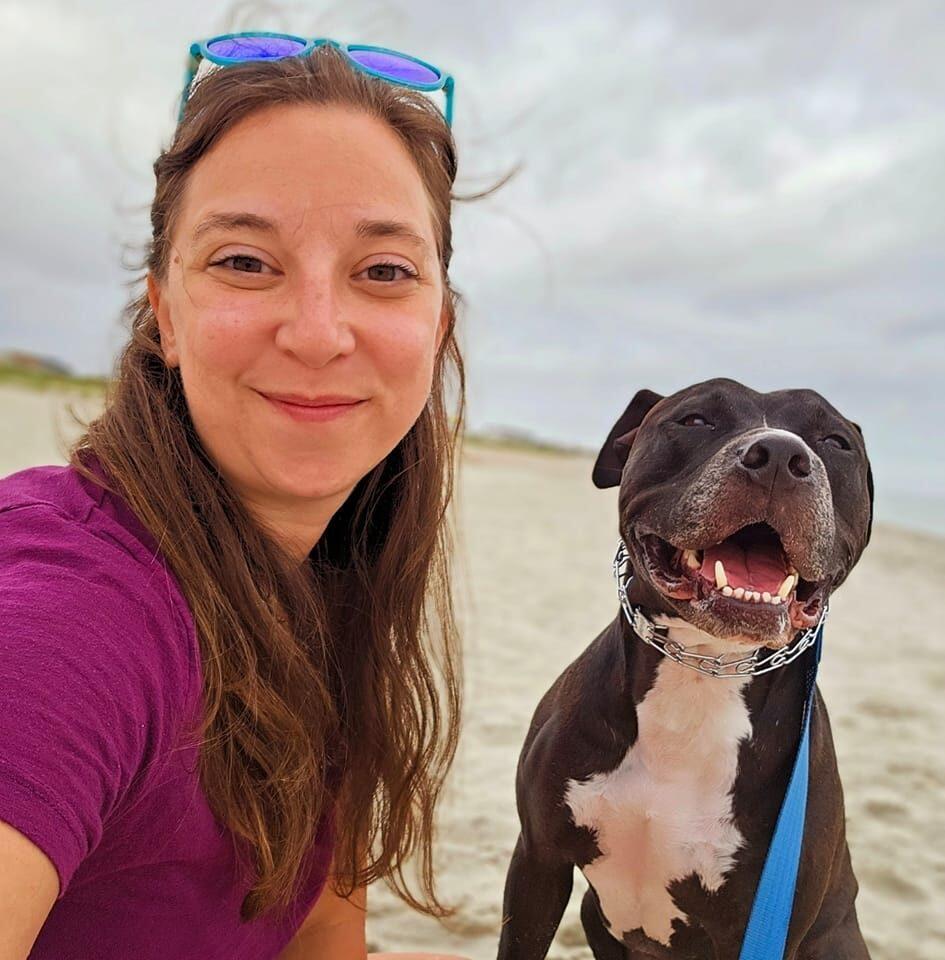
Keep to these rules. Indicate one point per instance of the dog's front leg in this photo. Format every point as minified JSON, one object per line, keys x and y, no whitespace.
{"x":841,"y":942}
{"x":537,"y":890}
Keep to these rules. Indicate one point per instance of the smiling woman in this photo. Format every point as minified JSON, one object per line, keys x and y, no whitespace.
{"x":323,"y":261}
{"x":217,"y":760}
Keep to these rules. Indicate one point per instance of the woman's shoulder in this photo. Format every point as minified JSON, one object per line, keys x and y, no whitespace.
{"x":97,"y":672}
{"x":74,"y":551}
{"x":85,"y":509}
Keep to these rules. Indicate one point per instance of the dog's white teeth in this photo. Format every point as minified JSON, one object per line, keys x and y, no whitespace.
{"x":751,"y":596}
{"x":787,"y":586}
{"x":691,"y":559}
{"x":720,"y":579}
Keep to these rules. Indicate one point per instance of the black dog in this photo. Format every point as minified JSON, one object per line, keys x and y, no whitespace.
{"x":741,"y":512}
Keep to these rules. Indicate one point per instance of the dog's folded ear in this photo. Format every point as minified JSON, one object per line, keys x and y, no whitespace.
{"x":613,"y":454}
{"x":869,"y":487}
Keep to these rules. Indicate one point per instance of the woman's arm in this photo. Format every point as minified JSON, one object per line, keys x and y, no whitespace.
{"x":29,"y":885}
{"x":335,"y":930}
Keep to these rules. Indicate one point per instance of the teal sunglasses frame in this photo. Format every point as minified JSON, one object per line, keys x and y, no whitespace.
{"x":200,"y":49}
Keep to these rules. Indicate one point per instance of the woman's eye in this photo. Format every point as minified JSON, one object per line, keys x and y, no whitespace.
{"x":836,"y":440}
{"x":387,"y":272}
{"x":694,"y":420}
{"x":242,"y":263}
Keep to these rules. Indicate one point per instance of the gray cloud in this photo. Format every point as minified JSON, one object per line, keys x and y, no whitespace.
{"x":709,"y":187}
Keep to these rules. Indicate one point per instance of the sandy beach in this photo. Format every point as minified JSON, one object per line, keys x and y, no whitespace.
{"x":534,"y":586}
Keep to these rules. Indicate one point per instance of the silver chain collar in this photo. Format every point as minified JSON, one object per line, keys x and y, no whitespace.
{"x":656,"y":635}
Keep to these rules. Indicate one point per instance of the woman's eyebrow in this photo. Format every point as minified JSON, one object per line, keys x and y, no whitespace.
{"x":232,"y":221}
{"x":253,"y":221}
{"x":391,"y":228}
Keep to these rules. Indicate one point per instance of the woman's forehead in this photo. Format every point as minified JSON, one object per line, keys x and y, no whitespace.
{"x":301,"y":167}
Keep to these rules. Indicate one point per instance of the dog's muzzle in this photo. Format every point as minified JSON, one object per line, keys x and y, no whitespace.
{"x":656,"y":636}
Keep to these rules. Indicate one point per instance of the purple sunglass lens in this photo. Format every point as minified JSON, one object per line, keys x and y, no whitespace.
{"x":255,"y":48}
{"x":393,"y":66}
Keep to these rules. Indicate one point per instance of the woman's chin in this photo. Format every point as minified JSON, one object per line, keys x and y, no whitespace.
{"x":309,"y":486}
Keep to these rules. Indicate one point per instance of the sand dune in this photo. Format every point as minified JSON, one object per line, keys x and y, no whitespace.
{"x":535,"y":586}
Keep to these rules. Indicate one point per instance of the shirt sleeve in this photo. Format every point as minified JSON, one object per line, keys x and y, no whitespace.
{"x":92,"y":675}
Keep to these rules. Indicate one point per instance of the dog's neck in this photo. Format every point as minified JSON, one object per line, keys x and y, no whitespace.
{"x":774,"y":694}
{"x":695,"y":640}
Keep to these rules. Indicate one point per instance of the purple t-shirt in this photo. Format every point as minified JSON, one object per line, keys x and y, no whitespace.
{"x":99,"y":671}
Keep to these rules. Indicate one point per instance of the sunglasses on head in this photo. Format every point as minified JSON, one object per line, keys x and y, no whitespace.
{"x":390,"y":65}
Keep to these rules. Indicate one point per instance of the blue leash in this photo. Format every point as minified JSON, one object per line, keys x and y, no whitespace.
{"x":766,"y":933}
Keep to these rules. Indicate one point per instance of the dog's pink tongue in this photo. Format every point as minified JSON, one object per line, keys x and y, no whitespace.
{"x":760,"y":567}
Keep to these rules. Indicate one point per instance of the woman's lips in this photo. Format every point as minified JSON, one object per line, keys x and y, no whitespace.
{"x":313,"y":414}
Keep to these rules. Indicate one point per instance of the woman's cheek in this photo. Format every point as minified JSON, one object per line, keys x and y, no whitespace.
{"x":227,"y":341}
{"x":411,"y":347}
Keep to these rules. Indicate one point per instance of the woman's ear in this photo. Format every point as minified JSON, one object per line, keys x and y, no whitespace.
{"x":613,"y":454}
{"x":159,"y":307}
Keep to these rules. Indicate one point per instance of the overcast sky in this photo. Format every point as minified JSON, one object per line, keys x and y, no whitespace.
{"x":708,"y":188}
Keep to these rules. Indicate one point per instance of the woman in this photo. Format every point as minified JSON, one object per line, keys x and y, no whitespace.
{"x":230,"y":668}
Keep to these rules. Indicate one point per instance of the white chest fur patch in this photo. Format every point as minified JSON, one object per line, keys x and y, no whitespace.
{"x":666,"y":811}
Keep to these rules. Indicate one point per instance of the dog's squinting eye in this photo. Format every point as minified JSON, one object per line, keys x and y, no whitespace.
{"x":694,"y":420}
{"x":835,"y":440}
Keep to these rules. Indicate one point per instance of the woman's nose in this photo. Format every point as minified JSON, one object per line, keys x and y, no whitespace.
{"x":316,"y":328}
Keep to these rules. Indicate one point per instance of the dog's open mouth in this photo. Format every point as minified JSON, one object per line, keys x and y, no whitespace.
{"x":748,"y":572}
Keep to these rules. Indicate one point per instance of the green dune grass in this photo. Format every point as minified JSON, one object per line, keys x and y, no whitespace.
{"x":44,"y":381}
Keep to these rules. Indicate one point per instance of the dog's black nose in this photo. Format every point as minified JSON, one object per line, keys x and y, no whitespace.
{"x":766,"y":456}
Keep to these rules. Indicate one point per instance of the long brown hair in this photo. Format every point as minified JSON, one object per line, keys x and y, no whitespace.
{"x":354,"y":696}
